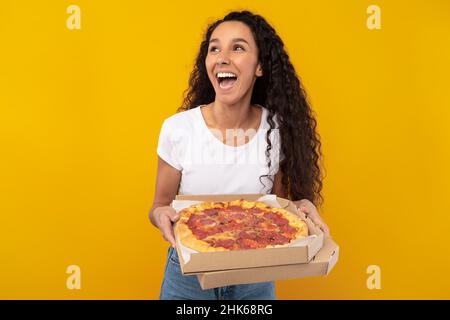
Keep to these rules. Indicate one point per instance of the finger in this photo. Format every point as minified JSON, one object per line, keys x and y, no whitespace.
{"x":174,"y":216}
{"x":167,"y":231}
{"x":328,"y":230}
{"x":315,"y":220}
{"x":305,"y":203}
{"x":169,"y":238}
{"x":325,"y":229}
{"x":303,"y":208}
{"x":319,"y":223}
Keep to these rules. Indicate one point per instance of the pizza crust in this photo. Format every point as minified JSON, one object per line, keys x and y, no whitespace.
{"x":188,"y":239}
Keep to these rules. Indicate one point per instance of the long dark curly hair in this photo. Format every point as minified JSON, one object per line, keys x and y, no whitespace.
{"x":280,"y":91}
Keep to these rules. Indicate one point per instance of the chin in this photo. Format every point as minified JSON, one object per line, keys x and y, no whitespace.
{"x":227,"y":100}
{"x":230,"y":98}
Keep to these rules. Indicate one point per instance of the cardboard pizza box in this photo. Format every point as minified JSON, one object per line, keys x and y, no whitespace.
{"x":193,"y":262}
{"x":320,"y":265}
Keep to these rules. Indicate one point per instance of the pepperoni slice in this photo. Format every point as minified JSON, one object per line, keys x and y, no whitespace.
{"x":223,"y":219}
{"x":246,"y":235}
{"x":254,"y":222}
{"x":254,"y":210}
{"x":239,"y":216}
{"x":265,"y":225}
{"x":192,"y":224}
{"x":200,"y":234}
{"x":276,"y":218}
{"x":262,"y":241}
{"x":271,"y":215}
{"x":225,"y":243}
{"x":211,"y":212}
{"x":266,"y":233}
{"x":229,"y":226}
{"x":282,"y":222}
{"x":205,"y":222}
{"x":195,"y":217}
{"x":248,"y":243}
{"x":288,"y":229}
{"x":278,"y":239}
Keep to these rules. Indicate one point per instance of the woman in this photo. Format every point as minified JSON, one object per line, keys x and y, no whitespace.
{"x":244,"y":103}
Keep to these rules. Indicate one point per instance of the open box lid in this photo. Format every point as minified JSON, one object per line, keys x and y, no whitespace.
{"x":199,"y":262}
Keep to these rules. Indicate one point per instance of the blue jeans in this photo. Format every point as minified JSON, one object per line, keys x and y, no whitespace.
{"x":175,"y":286}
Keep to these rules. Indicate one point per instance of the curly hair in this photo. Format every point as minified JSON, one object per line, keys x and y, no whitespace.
{"x":280,"y":91}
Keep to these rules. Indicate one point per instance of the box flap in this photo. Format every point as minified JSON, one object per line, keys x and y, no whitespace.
{"x":321,"y":265}
{"x":333,"y":259}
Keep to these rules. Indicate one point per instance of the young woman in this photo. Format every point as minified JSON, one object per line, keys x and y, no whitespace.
{"x":242,"y":81}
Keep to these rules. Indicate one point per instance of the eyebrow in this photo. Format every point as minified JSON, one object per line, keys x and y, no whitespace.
{"x":233,"y":40}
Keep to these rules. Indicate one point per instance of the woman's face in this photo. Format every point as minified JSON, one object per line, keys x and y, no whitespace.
{"x":232,"y":49}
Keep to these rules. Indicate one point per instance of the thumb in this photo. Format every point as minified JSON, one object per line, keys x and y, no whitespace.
{"x":316,"y":220}
{"x":174,"y":216}
{"x":303,"y":208}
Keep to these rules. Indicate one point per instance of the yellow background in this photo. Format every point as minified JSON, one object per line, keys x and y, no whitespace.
{"x":81,"y":112}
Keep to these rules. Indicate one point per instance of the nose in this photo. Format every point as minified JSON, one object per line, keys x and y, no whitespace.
{"x":222,"y":60}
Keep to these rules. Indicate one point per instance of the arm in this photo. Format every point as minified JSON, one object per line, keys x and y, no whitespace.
{"x":161,"y":214}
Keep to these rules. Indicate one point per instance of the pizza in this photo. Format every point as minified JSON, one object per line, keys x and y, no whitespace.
{"x":237,"y":225}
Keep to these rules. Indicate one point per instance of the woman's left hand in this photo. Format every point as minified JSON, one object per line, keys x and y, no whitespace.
{"x":310,"y":210}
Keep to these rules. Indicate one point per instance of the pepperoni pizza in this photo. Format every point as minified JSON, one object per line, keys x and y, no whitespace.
{"x":238,"y":225}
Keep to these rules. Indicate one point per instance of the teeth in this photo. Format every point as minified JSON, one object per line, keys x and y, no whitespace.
{"x":225,"y":75}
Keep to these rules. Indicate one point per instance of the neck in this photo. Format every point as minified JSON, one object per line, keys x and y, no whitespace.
{"x":232,"y":116}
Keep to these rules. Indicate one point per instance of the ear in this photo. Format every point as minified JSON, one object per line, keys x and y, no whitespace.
{"x":259,"y":71}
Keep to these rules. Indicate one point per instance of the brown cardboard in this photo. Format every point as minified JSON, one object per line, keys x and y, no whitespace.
{"x":225,"y":260}
{"x":321,"y":265}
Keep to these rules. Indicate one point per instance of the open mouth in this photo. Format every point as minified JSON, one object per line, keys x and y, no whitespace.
{"x":226,"y":80}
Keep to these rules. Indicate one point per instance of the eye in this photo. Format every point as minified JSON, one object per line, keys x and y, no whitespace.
{"x":242,"y":48}
{"x":212,"y":49}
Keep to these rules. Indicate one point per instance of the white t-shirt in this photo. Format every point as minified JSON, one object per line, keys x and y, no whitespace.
{"x":209,"y":166}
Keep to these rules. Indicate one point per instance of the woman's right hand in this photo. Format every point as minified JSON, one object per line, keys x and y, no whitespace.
{"x":164,"y":218}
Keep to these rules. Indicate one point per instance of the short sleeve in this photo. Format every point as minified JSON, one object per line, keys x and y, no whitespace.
{"x":166,"y":147}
